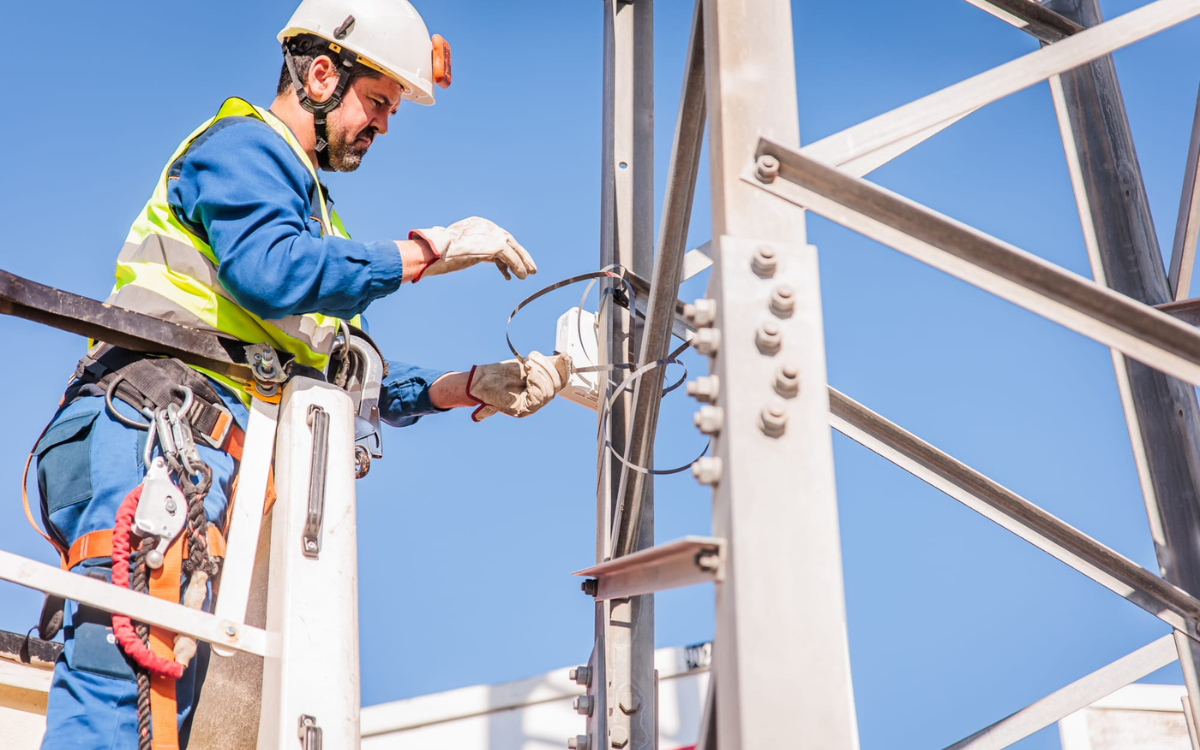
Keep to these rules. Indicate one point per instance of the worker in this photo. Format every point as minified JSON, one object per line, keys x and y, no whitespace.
{"x":241,"y":238}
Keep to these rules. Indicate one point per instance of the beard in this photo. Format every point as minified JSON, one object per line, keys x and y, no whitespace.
{"x":346,"y":150}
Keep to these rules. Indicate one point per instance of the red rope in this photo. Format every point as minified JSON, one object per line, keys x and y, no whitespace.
{"x":122,"y":626}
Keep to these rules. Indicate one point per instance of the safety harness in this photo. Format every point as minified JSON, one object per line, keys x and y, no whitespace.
{"x":181,"y":406}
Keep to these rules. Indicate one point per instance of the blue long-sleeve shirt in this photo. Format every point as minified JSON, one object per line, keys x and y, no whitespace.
{"x":242,"y":189}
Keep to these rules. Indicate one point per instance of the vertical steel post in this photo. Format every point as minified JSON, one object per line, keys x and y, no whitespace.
{"x":780,"y":659}
{"x":1162,"y":413}
{"x":623,"y":657}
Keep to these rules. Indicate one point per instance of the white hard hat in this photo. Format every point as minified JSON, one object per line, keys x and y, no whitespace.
{"x":387,"y":35}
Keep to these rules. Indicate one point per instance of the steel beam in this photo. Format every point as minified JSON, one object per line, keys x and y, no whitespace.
{"x":84,"y":316}
{"x":860,"y":141}
{"x":1011,"y":511}
{"x":664,"y":289}
{"x":624,"y":644}
{"x":1029,"y":16}
{"x":1112,"y":318}
{"x":101,"y":595}
{"x":1187,"y":224}
{"x":683,"y":562}
{"x":1074,"y":697}
{"x":1162,"y":413}
{"x":781,"y":656}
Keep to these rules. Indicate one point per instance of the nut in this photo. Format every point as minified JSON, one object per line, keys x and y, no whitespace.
{"x":618,"y":736}
{"x":628,"y":702}
{"x":769,"y":337}
{"x":590,"y":586}
{"x":709,"y":419}
{"x":783,"y":300}
{"x":704,"y":388}
{"x":579,"y":742}
{"x":787,"y":379}
{"x":581,"y":675}
{"x":707,"y":470}
{"x":707,"y":341}
{"x":766,"y":168}
{"x":701,"y":313}
{"x":773,"y":419}
{"x":583,"y":705}
{"x":764,"y":261}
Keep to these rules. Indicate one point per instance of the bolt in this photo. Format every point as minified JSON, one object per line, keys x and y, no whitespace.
{"x":110,"y":638}
{"x":769,"y":337}
{"x":773,"y":419}
{"x":618,"y":736}
{"x":708,"y":559}
{"x":704,"y":388}
{"x":766,"y":168}
{"x":170,"y":505}
{"x":628,"y":702}
{"x":583,"y":705}
{"x":707,"y":470}
{"x":581,"y":675}
{"x":579,"y":742}
{"x":783,"y":300}
{"x":590,"y":586}
{"x":707,"y":341}
{"x":787,"y":379}
{"x":230,"y":630}
{"x":701,"y":313}
{"x":764,"y":261}
{"x":708,"y":420}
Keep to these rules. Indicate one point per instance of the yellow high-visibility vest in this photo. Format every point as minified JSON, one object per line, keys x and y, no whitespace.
{"x":166,"y":271}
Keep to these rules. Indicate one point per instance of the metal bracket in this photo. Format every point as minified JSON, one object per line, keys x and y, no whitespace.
{"x":683,"y":562}
{"x":309,"y":733}
{"x":318,"y":419}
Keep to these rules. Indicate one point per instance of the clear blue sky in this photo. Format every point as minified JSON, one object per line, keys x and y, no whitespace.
{"x":469,"y":532}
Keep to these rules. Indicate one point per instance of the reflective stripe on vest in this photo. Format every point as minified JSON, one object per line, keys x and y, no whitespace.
{"x":166,"y":271}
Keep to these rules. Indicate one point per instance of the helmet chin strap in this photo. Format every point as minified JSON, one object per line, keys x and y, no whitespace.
{"x":320,"y":110}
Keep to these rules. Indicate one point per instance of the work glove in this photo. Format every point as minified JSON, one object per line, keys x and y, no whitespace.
{"x":517,"y":387}
{"x":471,"y":241}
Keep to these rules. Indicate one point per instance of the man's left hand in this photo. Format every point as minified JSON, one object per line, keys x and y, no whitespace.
{"x":517,"y":387}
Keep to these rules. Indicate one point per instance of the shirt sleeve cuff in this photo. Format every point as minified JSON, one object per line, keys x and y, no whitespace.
{"x":387,"y":267}
{"x":404,"y":396}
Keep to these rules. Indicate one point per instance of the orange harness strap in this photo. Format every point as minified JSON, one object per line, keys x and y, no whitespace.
{"x":164,"y":584}
{"x":99,"y":544}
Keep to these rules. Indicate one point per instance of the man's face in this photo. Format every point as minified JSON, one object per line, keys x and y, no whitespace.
{"x":362,"y":115}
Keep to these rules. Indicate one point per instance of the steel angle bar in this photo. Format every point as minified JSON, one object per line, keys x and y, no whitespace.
{"x":1111,"y":318}
{"x":706,"y":738}
{"x":84,"y":316}
{"x":1187,"y":225}
{"x":966,"y":96}
{"x":664,"y":287}
{"x":1187,"y":310}
{"x":147,"y":609}
{"x":1029,"y":16}
{"x":683,"y":562}
{"x":1074,"y":697}
{"x":1004,"y":507}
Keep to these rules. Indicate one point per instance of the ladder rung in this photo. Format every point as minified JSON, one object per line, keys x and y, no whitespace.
{"x":683,"y":562}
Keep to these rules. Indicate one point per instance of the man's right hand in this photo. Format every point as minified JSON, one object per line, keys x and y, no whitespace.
{"x":472,"y":241}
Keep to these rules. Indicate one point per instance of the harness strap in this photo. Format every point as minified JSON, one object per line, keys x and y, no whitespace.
{"x":164,"y":584}
{"x":99,"y":544}
{"x":148,"y":383}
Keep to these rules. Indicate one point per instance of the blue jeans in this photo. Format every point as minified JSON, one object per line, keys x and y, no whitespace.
{"x":87,"y":463}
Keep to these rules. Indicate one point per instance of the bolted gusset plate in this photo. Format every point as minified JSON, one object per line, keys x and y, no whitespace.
{"x":683,"y":562}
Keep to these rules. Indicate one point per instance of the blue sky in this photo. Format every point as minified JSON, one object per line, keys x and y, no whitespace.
{"x":469,"y":532}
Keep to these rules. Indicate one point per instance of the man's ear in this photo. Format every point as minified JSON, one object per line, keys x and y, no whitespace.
{"x":322,"y":78}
